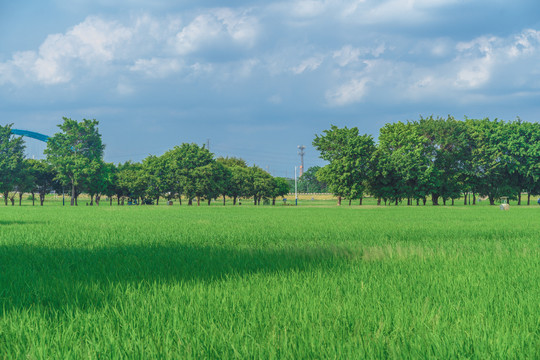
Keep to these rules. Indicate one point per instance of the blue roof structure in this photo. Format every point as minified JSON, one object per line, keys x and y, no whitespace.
{"x":31,"y":134}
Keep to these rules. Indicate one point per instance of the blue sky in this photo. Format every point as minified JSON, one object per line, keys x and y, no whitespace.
{"x":258,"y":78}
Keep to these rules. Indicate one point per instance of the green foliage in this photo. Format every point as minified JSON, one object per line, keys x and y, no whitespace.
{"x":309,"y":183}
{"x":349,"y":157}
{"x":76,"y":154}
{"x":11,"y":160}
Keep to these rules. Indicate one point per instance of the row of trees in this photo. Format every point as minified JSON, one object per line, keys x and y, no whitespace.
{"x":433,"y":158}
{"x":75,"y":164}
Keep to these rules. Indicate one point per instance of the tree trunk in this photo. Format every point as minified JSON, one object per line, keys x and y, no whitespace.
{"x":223,"y":200}
{"x":273,"y":201}
{"x":361,"y":198}
{"x":519,"y":198}
{"x":6,"y":194}
{"x":110,"y":201}
{"x":12,"y":199}
{"x":417,"y":202}
{"x":91,"y":199}
{"x":378,"y":201}
{"x":259,"y":200}
{"x":20,"y":198}
{"x":234,"y":200}
{"x":396,"y":202}
{"x":452,"y":201}
{"x":424,"y":200}
{"x":444,"y":201}
{"x":72,"y":194}
{"x":254,"y":199}
{"x":339,"y":200}
{"x":180,"y":200}
{"x":98,"y":199}
{"x":408,"y":201}
{"x":385,"y":199}
{"x":491,"y":200}
{"x":41,"y":199}
{"x":209,"y":200}
{"x":198,"y":201}
{"x":190,"y":202}
{"x":435,"y":199}
{"x":350,"y":201}
{"x":528,"y":198}
{"x":474,"y":199}
{"x":465,"y":199}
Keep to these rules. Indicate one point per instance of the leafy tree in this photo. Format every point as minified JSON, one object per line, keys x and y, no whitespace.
{"x":308,"y":182}
{"x":154,"y":171}
{"x":236,"y":172}
{"x":131,"y":181}
{"x":75,"y":153}
{"x":180,"y":164}
{"x":280,"y":188}
{"x":349,"y":155}
{"x":110,"y":172}
{"x":11,"y":160}
{"x":43,"y":175}
{"x":491,"y":173}
{"x":259,"y":184}
{"x":210,"y":181}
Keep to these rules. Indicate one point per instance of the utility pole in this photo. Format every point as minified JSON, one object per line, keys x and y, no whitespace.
{"x":295,"y":188}
{"x":208,"y":144}
{"x":301,"y":153}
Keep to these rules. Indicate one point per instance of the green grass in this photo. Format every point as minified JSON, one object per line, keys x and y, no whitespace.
{"x":269,"y":282}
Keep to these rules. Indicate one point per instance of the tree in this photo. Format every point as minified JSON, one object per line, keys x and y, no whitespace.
{"x":154,"y":171}
{"x":131,"y":181}
{"x":43,"y":175}
{"x":75,"y":153}
{"x":259,"y":184}
{"x":490,"y":171}
{"x":349,"y":155}
{"x":308,"y":182}
{"x":210,"y":181}
{"x":280,"y":188}
{"x":180,"y":165}
{"x":11,"y":160}
{"x":236,"y":172}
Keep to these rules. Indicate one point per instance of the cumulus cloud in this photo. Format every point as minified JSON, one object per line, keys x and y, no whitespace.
{"x":310,"y":64}
{"x":92,"y":42}
{"x":157,"y":67}
{"x":216,"y":26}
{"x":351,"y":92}
{"x":145,"y":45}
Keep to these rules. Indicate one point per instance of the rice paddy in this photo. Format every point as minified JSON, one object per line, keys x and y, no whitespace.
{"x":269,"y":282}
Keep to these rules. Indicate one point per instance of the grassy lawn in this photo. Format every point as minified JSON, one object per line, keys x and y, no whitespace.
{"x":269,"y":282}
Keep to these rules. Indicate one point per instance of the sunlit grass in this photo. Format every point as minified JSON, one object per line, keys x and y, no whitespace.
{"x":269,"y":282}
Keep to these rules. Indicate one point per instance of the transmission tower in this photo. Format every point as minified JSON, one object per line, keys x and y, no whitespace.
{"x":301,"y":153}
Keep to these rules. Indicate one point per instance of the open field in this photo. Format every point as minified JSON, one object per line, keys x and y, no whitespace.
{"x":269,"y":282}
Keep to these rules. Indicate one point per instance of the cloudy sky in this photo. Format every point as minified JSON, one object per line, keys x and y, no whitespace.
{"x":258,"y":78}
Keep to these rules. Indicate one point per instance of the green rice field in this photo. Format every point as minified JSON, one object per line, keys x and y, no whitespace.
{"x":269,"y":282}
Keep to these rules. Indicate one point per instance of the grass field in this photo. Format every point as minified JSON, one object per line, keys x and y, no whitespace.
{"x":269,"y":282}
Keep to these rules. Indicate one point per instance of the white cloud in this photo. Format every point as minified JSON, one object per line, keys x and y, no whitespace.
{"x":310,"y":64}
{"x":214,"y":27}
{"x":157,"y":67}
{"x":351,"y":92}
{"x":92,"y":42}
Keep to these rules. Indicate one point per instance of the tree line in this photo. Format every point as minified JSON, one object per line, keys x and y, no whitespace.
{"x":433,"y":158}
{"x":74,"y":164}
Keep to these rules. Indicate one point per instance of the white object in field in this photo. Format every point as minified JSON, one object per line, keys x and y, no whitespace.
{"x":504,"y":207}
